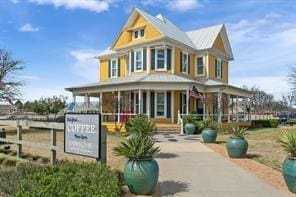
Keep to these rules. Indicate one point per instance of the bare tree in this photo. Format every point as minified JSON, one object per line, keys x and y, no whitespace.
{"x":292,"y":77}
{"x":9,"y":86}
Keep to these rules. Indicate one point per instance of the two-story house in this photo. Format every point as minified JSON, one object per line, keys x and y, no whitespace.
{"x":152,"y":67}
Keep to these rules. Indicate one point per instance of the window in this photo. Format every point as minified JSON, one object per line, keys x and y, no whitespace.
{"x":136,"y":102}
{"x":160,"y":104}
{"x":139,"y":33}
{"x":160,"y":59}
{"x":219,"y":68}
{"x":183,"y":103}
{"x":138,"y":60}
{"x":114,"y":68}
{"x":200,"y":66}
{"x":184,"y":62}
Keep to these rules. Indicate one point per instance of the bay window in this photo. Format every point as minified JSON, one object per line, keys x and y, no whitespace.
{"x":160,"y":59}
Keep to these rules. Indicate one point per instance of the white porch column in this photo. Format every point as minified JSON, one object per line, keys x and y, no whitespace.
{"x":148,"y":59}
{"x":236,"y":108}
{"x":219,"y":110}
{"x":118,"y":107}
{"x":148,"y":103}
{"x":229,"y":105}
{"x":173,"y":61}
{"x":204,"y":110}
{"x":130,"y":62}
{"x":101,"y":102}
{"x":86,"y":101}
{"x":74,"y":98}
{"x":140,"y":101}
{"x":172,"y":107}
{"x":187,"y":102}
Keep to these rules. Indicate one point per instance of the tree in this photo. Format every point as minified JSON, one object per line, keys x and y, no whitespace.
{"x":9,"y":86}
{"x":46,"y":106}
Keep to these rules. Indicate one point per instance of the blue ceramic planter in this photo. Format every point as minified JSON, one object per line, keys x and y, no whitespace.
{"x":141,"y":176}
{"x":209,"y":135}
{"x":237,"y":147}
{"x":289,"y":173}
{"x":189,"y":128}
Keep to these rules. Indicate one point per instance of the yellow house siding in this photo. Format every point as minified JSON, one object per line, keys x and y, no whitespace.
{"x":176,"y":104}
{"x":192,"y":65}
{"x":104,"y":69}
{"x":126,"y":37}
{"x":212,"y":59}
{"x":177,"y":60}
{"x":218,"y":44}
{"x":122,"y":66}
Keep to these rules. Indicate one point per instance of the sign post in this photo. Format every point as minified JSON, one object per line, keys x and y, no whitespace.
{"x":84,"y":136}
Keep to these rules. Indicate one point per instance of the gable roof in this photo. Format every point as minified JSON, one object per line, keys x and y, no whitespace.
{"x":205,"y":38}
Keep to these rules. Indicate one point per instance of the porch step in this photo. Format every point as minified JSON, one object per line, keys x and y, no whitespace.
{"x":168,"y":129}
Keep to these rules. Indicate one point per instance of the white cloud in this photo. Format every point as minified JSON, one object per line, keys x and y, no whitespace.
{"x":34,"y":93}
{"x":176,"y":5}
{"x":85,"y":65}
{"x":29,"y":77}
{"x":14,"y":1}
{"x":28,"y":28}
{"x":92,"y":5}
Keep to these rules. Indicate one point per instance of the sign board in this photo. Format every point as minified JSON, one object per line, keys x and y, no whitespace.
{"x":82,"y":134}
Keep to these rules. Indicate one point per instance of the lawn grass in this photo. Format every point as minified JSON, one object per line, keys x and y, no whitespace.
{"x":262,"y":146}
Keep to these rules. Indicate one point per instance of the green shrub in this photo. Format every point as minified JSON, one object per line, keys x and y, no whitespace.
{"x":208,"y":124}
{"x":140,"y":124}
{"x":9,"y":178}
{"x":70,"y":179}
{"x":287,"y":140}
{"x":238,"y":132}
{"x":291,"y":121}
{"x":8,"y":162}
{"x":193,"y":119}
{"x":265,"y":123}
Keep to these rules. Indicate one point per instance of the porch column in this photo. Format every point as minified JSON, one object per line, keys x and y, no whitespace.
{"x":86,"y":101}
{"x":187,"y":102}
{"x":101,"y":102}
{"x":172,"y":107}
{"x":204,"y":111}
{"x":140,"y":101}
{"x":148,"y":103}
{"x":173,"y":60}
{"x":74,"y":98}
{"x":219,"y":110}
{"x":228,"y":110}
{"x":130,"y":63}
{"x":236,"y":108}
{"x":118,"y":107}
{"x":148,"y":59}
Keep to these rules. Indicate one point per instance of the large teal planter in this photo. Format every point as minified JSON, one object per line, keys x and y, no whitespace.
{"x":209,"y":135}
{"x":289,"y":173}
{"x":189,"y":128}
{"x":237,"y":147}
{"x":141,"y":176}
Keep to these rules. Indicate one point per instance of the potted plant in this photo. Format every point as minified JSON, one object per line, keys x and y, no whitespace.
{"x":209,"y":130}
{"x":288,"y":141}
{"x":190,"y":124}
{"x":141,"y":170}
{"x":237,"y":145}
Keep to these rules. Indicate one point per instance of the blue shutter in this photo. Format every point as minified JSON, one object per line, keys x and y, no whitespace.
{"x":188,"y":63}
{"x":216,"y":70}
{"x":152,"y":59}
{"x":132,"y":102}
{"x":144,"y":103}
{"x":152,"y":110}
{"x":144,"y":59}
{"x":132,"y":63}
{"x":181,"y":62}
{"x":168,"y":104}
{"x":181,"y":96}
{"x":169,"y":59}
{"x":118,"y":70}
{"x":221,"y":69}
{"x":109,"y":68}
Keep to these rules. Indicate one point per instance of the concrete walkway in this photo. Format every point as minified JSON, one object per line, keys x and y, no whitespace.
{"x":189,"y":168}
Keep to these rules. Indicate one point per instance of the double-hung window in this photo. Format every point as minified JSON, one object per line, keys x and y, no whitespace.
{"x":218,"y":68}
{"x":114,"y":68}
{"x":160,"y":104}
{"x":138,"y":60}
{"x":140,"y":33}
{"x":185,"y":65}
{"x":200,"y":66}
{"x":160,"y":59}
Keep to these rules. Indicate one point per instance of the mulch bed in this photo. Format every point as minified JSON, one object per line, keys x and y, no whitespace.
{"x":264,"y":172}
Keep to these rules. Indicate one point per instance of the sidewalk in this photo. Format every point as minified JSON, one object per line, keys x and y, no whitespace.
{"x":188,"y":168}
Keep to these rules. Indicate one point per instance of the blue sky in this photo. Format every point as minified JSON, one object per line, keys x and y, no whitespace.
{"x":57,"y":39}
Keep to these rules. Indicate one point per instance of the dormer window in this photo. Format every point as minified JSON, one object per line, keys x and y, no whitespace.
{"x":140,"y":33}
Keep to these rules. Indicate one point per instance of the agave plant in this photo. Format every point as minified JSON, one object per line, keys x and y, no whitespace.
{"x":287,"y":140}
{"x":140,"y":124}
{"x":238,"y":132}
{"x":208,"y":124}
{"x":137,"y":147}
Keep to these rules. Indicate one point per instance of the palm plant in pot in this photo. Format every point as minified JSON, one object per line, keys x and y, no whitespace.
{"x":141,"y":171}
{"x":190,"y":124}
{"x":287,"y":140}
{"x":209,"y":130}
{"x":237,"y":145}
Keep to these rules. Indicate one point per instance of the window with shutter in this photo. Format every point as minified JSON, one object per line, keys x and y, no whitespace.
{"x":185,"y":63}
{"x":114,"y":68}
{"x":199,"y":66}
{"x":138,"y":60}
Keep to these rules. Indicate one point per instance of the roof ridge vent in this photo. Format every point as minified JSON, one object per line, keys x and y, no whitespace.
{"x":160,"y":17}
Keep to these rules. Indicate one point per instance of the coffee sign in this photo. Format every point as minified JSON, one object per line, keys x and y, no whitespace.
{"x":82,"y":134}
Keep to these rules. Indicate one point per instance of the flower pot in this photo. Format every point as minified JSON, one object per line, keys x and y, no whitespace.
{"x":237,"y":147}
{"x":141,"y":176}
{"x":289,"y":173}
{"x":189,"y":128}
{"x":209,"y":135}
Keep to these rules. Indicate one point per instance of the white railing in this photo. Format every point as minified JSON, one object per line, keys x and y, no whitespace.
{"x":180,"y":121}
{"x":118,"y":117}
